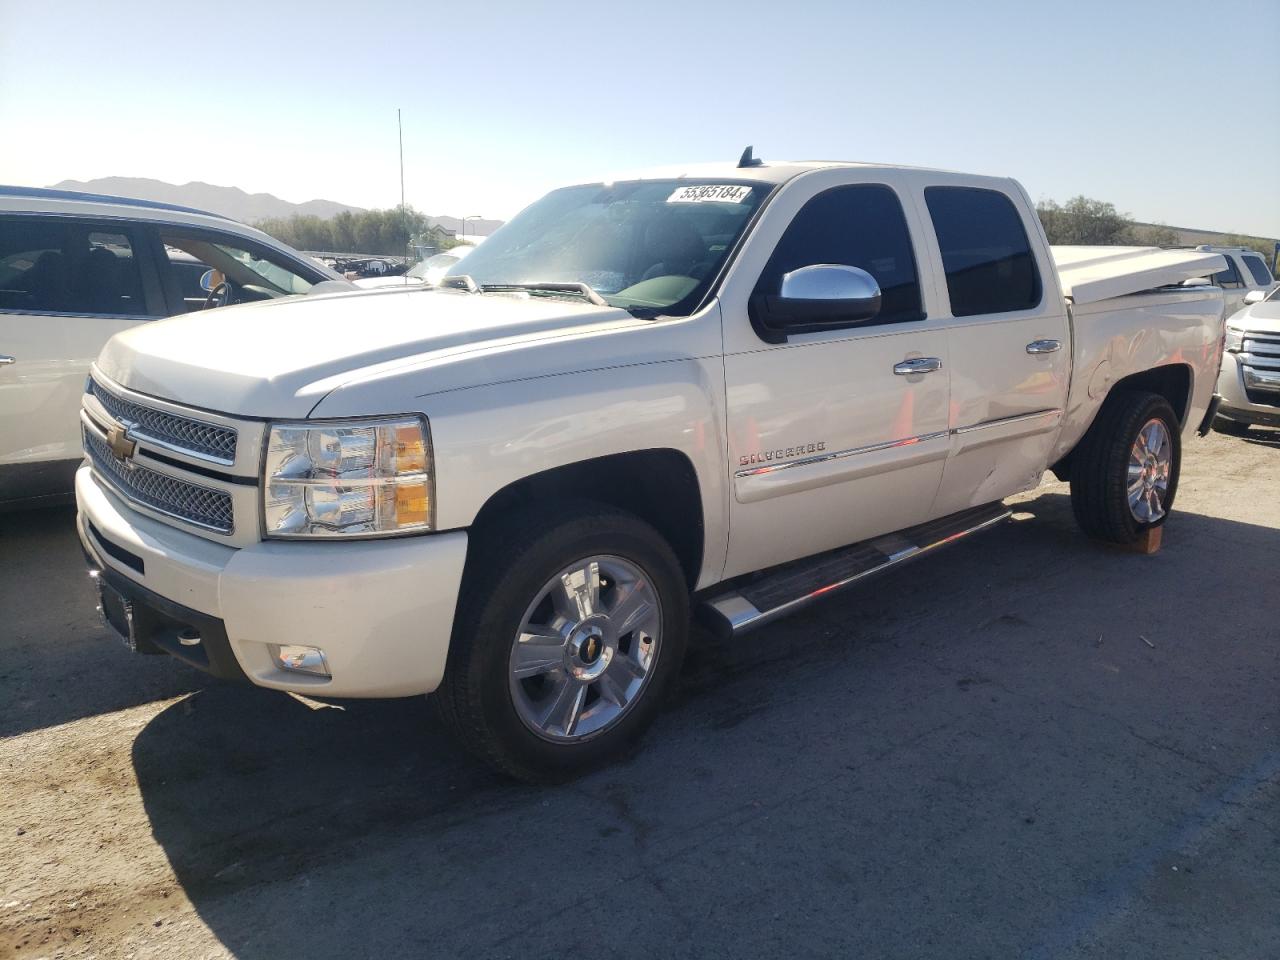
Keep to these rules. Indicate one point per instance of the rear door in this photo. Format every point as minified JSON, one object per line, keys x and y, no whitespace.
{"x":827,"y":444}
{"x":1009,"y":338}
{"x":66,"y":287}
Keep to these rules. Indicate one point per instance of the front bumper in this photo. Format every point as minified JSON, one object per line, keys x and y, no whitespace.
{"x":1236,"y":404}
{"x":382,"y":610}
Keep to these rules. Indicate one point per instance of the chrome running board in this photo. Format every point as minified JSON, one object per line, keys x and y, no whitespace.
{"x":760,"y":598}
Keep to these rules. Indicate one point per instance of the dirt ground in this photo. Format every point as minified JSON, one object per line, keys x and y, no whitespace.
{"x":1025,"y":746}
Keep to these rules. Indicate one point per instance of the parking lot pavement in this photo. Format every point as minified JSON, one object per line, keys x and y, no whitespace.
{"x":1029,"y":746}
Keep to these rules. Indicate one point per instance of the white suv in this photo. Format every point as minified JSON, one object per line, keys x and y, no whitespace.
{"x":77,"y":268}
{"x":1246,"y":272}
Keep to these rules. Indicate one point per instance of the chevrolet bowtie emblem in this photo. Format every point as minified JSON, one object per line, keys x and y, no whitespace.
{"x":119,"y":442}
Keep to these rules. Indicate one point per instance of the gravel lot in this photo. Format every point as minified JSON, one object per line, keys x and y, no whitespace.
{"x":1029,"y":746}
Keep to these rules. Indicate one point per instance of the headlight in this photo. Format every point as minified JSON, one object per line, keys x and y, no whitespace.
{"x":1234,"y":341}
{"x":348,"y":479}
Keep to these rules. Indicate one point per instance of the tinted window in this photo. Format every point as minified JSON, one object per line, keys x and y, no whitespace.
{"x":1229,"y":277}
{"x":1261,"y":275}
{"x":858,"y":226}
{"x":985,"y":251}
{"x":66,"y":267}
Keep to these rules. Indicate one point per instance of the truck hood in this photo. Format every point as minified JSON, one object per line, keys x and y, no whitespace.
{"x":279,"y":358}
{"x":1259,"y":317}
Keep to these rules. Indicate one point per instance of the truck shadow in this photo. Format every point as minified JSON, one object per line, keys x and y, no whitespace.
{"x":58,"y":662}
{"x":358,"y":829}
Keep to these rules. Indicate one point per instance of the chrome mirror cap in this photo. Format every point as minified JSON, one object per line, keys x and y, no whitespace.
{"x":829,"y":281}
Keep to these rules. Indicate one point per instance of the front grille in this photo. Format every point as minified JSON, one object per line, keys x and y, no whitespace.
{"x":195,"y":437}
{"x":171,"y":496}
{"x":1260,"y":359}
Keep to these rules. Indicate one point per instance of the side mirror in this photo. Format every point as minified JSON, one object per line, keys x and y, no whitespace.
{"x":1254,"y":296}
{"x":823,"y":296}
{"x":206,"y":281}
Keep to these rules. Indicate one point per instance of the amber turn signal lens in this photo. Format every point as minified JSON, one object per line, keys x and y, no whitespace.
{"x":413,"y":504}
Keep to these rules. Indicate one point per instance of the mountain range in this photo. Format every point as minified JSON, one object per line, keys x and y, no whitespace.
{"x":237,"y":204}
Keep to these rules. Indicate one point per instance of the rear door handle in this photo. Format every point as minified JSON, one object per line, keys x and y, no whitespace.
{"x":918,"y":365}
{"x":1043,"y":346}
{"x":5,"y":361}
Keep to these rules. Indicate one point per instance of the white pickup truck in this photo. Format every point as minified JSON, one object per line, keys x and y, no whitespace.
{"x":721,"y":389}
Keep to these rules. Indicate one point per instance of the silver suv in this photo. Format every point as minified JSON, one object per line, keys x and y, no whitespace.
{"x":77,"y":268}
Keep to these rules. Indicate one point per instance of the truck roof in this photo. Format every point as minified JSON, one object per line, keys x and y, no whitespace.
{"x":769,"y":171}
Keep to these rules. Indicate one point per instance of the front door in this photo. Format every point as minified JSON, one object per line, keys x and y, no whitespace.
{"x":836,"y":436}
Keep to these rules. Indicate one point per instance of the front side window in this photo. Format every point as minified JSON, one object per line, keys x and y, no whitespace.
{"x":1229,"y":277}
{"x":861,"y":225}
{"x":985,"y":251}
{"x":645,"y":245}
{"x":1261,"y":275}
{"x":251,"y":274}
{"x":59,"y":266}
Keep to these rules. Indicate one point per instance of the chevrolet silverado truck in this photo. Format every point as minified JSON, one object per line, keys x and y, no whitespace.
{"x":722,"y":390}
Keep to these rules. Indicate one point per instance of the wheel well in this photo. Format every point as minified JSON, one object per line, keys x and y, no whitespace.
{"x":658,"y":486}
{"x":1172,"y":381}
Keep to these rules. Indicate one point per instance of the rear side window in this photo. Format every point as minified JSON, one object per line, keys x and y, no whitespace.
{"x":985,"y":251}
{"x":861,"y":225}
{"x":1229,"y":277}
{"x":58,"y":266}
{"x":1261,"y":275}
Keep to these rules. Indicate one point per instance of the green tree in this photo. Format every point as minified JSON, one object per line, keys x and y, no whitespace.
{"x":1082,"y":220}
{"x":1150,"y":235}
{"x":379,"y":232}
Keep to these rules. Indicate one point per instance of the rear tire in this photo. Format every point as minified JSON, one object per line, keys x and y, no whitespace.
{"x":1232,"y":428}
{"x":538,"y":689}
{"x":1114,"y":465}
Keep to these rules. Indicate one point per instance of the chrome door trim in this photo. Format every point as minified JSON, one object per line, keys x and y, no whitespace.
{"x":1002,"y":421}
{"x":840,"y":454}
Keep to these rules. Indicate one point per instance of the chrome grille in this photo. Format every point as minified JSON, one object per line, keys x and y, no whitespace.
{"x":202,"y":506}
{"x":1260,"y":366}
{"x":182,"y":434}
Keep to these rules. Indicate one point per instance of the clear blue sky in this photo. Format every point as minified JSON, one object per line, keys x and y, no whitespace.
{"x":1166,"y":108}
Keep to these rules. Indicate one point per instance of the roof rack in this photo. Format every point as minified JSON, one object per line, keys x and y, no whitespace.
{"x":48,"y":193}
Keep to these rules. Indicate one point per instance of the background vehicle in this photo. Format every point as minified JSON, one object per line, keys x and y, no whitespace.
{"x":1249,"y":383}
{"x":77,"y":268}
{"x":429,"y":271}
{"x":1246,"y":272}
{"x":738,"y":389}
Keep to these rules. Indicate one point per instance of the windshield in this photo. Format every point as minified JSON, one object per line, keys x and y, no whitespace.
{"x":438,"y":263}
{"x":653,"y":244}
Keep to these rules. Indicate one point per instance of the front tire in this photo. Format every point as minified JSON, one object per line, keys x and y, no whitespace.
{"x":570,"y":632}
{"x":1125,"y":473}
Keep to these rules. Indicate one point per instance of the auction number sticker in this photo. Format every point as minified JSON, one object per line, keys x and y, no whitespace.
{"x":711,"y":193}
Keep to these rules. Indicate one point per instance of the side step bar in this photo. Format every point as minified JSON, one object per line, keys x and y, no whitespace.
{"x":775,"y":593}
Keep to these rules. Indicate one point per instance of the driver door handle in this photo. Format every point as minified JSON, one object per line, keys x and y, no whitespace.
{"x":918,"y":365}
{"x":5,"y":361}
{"x":1043,"y":346}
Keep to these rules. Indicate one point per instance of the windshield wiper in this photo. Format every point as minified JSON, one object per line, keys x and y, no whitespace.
{"x":581,"y":289}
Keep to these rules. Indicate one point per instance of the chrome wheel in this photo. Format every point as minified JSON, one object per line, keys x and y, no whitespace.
{"x":585,"y":648}
{"x":1150,"y":465}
